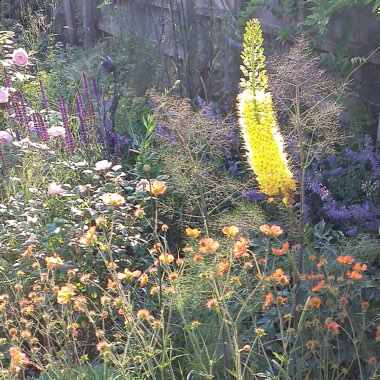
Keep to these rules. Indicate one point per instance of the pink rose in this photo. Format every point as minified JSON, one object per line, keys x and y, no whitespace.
{"x":54,"y":188}
{"x":56,"y":132}
{"x":3,"y":95}
{"x":103,"y":166}
{"x":20,"y":57}
{"x":5,"y":138}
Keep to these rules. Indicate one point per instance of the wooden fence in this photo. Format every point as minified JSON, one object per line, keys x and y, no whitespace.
{"x":199,"y":36}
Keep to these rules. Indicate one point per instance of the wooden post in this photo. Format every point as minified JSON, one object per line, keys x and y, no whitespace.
{"x":89,"y":20}
{"x":378,"y":142}
{"x":70,"y":26}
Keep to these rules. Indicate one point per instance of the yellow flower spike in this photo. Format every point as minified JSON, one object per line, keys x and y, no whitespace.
{"x":263,"y":141}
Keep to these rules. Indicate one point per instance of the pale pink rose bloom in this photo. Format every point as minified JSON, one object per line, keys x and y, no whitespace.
{"x":56,"y":132}
{"x":3,"y":95}
{"x":103,"y":166}
{"x":5,"y":138}
{"x":142,"y":186}
{"x":20,"y":57}
{"x":54,"y":188}
{"x":32,"y":238}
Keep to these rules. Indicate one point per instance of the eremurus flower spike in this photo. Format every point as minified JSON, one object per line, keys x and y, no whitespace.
{"x":263,"y":142}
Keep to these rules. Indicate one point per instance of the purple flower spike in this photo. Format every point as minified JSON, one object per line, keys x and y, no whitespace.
{"x":95,"y":90}
{"x":7,"y":78}
{"x":39,"y":126}
{"x":24,"y":116}
{"x":90,"y":103}
{"x":82,"y":117}
{"x":65,"y":122}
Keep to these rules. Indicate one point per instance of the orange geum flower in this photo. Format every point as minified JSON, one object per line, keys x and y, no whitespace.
{"x":157,"y":188}
{"x":143,"y":281}
{"x":314,"y":303}
{"x":358,"y":267}
{"x":365,"y":305}
{"x":28,"y":252}
{"x":261,"y":261}
{"x":208,"y":245}
{"x":180,"y":262}
{"x":166,"y":258}
{"x":157,"y":324}
{"x":197,"y":258}
{"x":354,"y":275}
{"x":139,"y":212}
{"x":12,"y":331}
{"x":103,"y":347}
{"x":230,"y":231}
{"x":333,"y":327}
{"x":271,"y":230}
{"x":248,"y":265}
{"x":80,"y":303}
{"x":65,"y":293}
{"x":53,"y":261}
{"x":143,"y":314}
{"x":111,"y":285}
{"x":268,"y":301}
{"x":372,"y":360}
{"x":193,"y":232}
{"x":321,"y":262}
{"x":345,"y":259}
{"x":113,"y":199}
{"x":280,"y":277}
{"x":314,"y":277}
{"x":282,"y":300}
{"x":222,"y":267}
{"x":310,"y":344}
{"x":169,"y":289}
{"x":282,"y":250}
{"x":153,"y":290}
{"x":128,"y":275}
{"x":319,"y":286}
{"x":18,"y":359}
{"x":212,"y":304}
{"x":89,"y":236}
{"x":377,"y":336}
{"x":240,"y":248}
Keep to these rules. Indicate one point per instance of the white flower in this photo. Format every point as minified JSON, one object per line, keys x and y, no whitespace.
{"x":103,"y":166}
{"x":4,"y":95}
{"x":54,"y":188}
{"x":5,"y":138}
{"x":142,"y":186}
{"x":56,"y":132}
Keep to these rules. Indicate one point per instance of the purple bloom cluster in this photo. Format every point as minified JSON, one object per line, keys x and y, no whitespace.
{"x":255,"y":196}
{"x":345,"y":189}
{"x":34,"y":124}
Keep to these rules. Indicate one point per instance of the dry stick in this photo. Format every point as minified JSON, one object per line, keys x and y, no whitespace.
{"x":183,"y":30}
{"x":175,"y":40}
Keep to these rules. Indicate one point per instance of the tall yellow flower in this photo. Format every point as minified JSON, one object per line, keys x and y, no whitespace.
{"x":263,"y":141}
